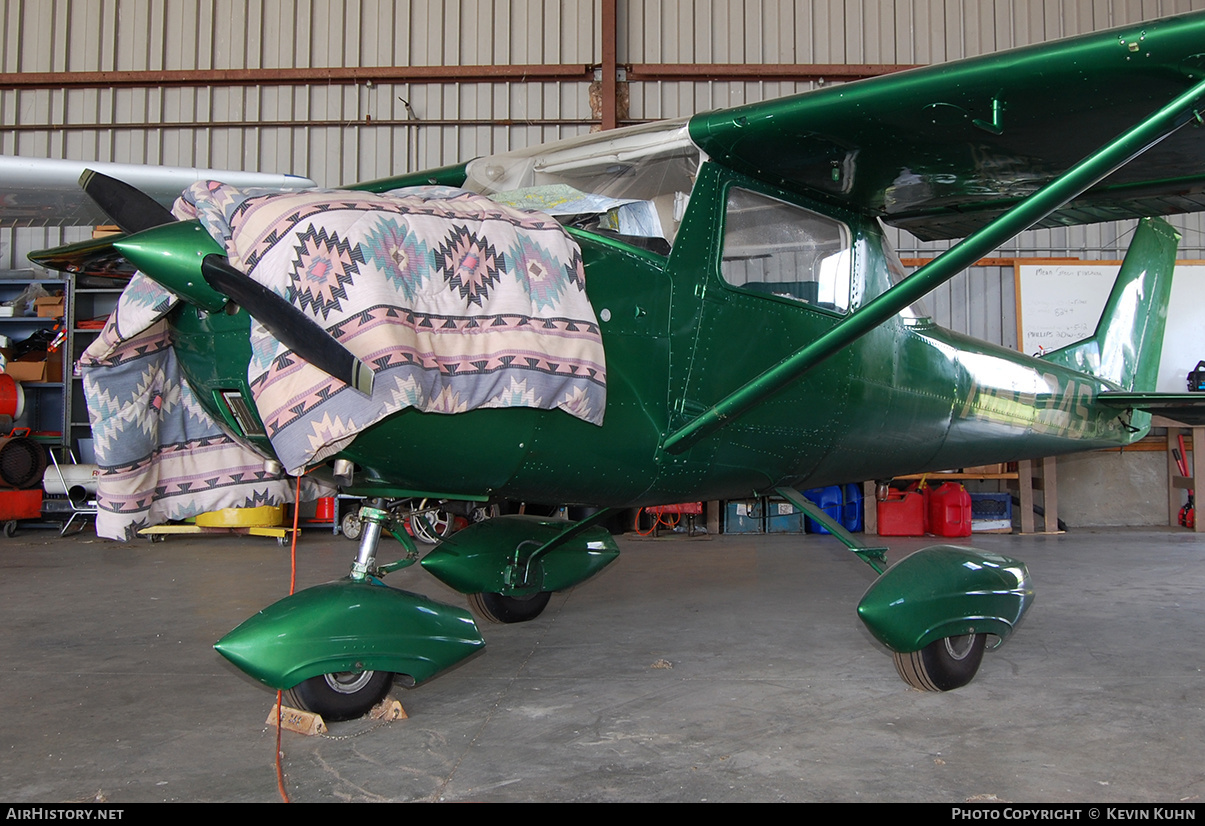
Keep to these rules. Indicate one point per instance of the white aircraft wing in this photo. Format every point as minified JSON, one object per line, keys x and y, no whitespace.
{"x":37,"y":192}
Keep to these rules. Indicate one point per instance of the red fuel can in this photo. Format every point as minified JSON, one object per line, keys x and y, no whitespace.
{"x":902,"y":514}
{"x":950,"y":510}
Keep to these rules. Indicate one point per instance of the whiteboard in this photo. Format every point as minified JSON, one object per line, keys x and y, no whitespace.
{"x":1059,"y":303}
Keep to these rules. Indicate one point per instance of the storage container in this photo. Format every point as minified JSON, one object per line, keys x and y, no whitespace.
{"x":991,"y":512}
{"x":830,"y":501}
{"x":744,"y":516}
{"x":950,"y":510}
{"x":902,"y":513}
{"x":852,"y":509}
{"x":782,"y":517}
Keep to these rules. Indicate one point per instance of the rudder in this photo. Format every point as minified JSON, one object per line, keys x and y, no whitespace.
{"x":1128,"y":341}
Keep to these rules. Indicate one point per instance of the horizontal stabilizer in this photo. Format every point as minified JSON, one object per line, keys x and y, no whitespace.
{"x":1188,"y":408}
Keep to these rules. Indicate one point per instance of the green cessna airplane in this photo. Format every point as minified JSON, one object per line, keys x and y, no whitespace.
{"x":759,"y":334}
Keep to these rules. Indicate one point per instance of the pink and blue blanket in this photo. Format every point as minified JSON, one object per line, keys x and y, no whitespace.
{"x":455,"y":301}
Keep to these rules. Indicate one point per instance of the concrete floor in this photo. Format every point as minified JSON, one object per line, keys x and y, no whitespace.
{"x":775,"y":691}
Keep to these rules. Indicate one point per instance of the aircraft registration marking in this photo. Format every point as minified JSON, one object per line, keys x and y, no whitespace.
{"x":1065,"y":409}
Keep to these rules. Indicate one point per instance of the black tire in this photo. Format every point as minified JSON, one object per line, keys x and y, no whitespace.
{"x":503,"y":609}
{"x":351,"y":524}
{"x":346,"y":695}
{"x":944,"y":665}
{"x":10,"y":528}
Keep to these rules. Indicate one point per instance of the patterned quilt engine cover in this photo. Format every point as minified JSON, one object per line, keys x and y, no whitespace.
{"x":455,"y":301}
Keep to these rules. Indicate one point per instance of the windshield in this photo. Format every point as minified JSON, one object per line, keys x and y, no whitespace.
{"x":634,"y":183}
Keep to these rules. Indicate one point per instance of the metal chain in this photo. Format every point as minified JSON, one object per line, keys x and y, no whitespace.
{"x":379,"y":724}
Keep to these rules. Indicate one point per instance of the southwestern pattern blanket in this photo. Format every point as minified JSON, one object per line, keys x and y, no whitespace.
{"x":455,"y":301}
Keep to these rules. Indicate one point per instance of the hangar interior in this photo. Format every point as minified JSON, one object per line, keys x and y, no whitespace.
{"x":345,"y":91}
{"x":342,"y":92}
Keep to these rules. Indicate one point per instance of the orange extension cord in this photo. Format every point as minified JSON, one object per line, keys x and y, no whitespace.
{"x":280,"y":773}
{"x":659,"y":519}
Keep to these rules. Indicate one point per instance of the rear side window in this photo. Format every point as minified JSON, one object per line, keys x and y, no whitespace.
{"x":775,"y":248}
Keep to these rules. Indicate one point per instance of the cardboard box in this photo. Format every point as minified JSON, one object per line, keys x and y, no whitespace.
{"x":49,"y":306}
{"x":41,"y":369}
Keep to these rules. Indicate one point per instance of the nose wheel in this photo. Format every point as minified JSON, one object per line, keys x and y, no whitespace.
{"x":345,"y":695}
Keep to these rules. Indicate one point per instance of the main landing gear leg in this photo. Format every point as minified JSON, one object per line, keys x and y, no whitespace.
{"x":935,"y":609}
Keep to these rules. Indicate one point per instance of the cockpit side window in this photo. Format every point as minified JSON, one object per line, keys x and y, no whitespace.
{"x":919,"y":309}
{"x":776,"y":248}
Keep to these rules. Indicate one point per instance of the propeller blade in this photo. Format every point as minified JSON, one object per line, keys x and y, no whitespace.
{"x":132,"y":209}
{"x":291,"y":327}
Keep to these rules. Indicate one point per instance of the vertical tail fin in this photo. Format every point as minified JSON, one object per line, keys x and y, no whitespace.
{"x":1126,"y":346}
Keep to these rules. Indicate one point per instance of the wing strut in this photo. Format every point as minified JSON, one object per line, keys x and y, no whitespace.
{"x":1072,"y":183}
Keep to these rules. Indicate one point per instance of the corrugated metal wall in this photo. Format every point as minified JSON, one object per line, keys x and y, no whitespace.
{"x":335,"y":134}
{"x":342,"y":132}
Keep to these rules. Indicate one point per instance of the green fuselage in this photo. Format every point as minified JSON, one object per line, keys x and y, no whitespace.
{"x":908,"y":397}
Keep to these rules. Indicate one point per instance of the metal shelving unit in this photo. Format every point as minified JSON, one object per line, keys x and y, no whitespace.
{"x":46,"y":402}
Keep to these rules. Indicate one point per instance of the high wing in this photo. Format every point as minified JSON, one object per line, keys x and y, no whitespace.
{"x":36,"y":192}
{"x":941,"y":151}
{"x":1100,"y":127}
